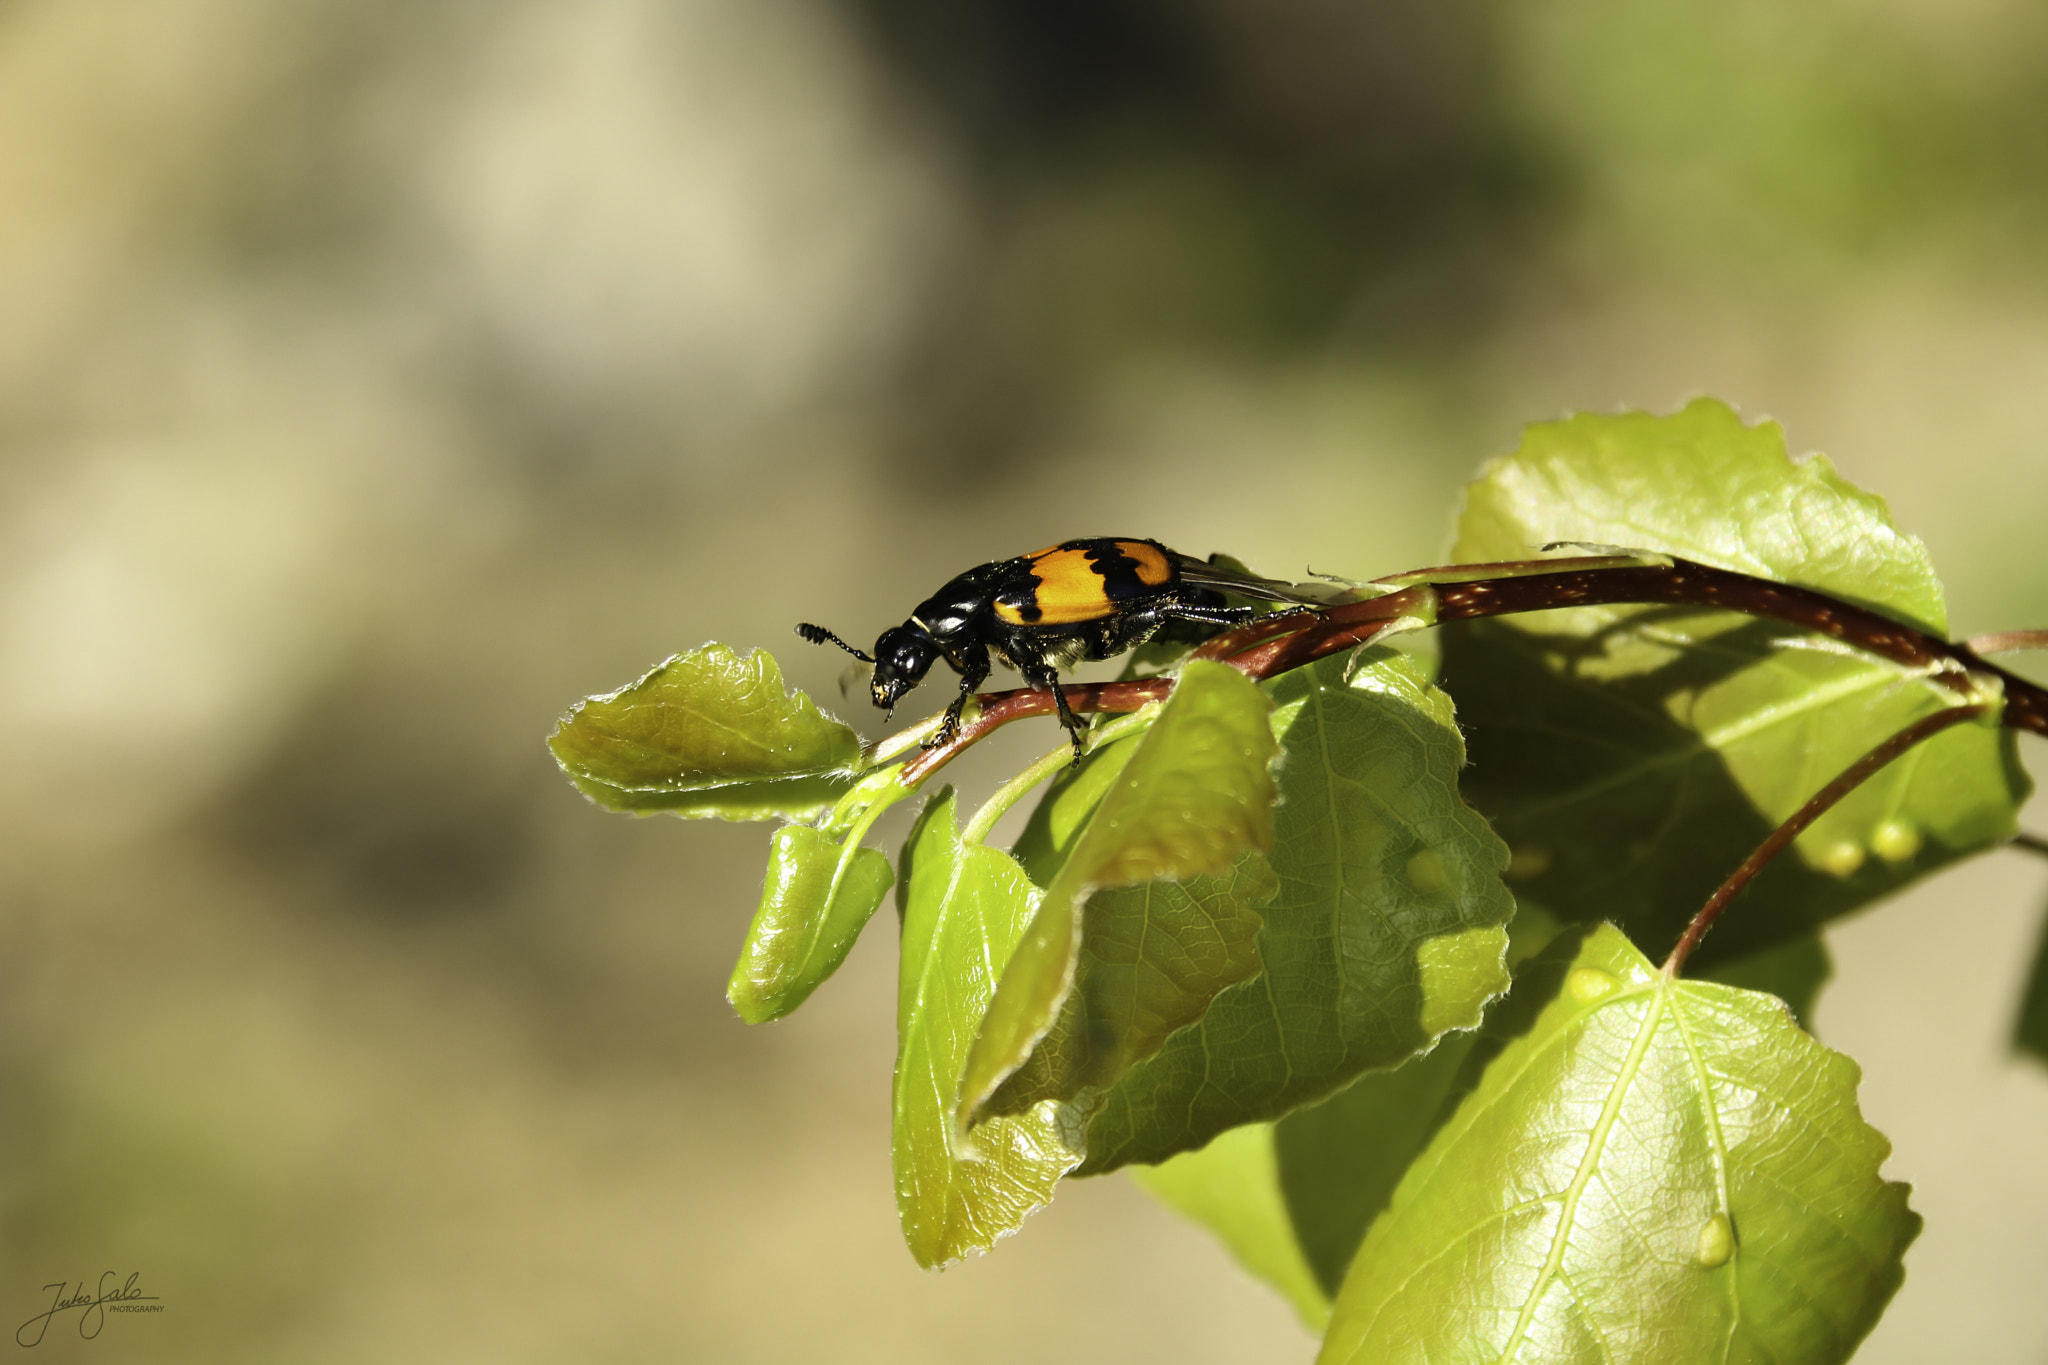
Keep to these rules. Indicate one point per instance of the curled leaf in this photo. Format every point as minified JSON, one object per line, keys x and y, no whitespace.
{"x":708,"y":733}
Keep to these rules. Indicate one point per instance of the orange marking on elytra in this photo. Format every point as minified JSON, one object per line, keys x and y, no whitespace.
{"x":1069,"y":590}
{"x":1153,"y":569}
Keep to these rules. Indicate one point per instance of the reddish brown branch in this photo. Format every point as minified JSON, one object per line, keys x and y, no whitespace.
{"x":1852,"y":777}
{"x":1232,"y":642}
{"x":1274,"y":644}
{"x":1000,"y":708}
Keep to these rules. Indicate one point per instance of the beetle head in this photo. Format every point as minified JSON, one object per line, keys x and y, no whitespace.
{"x":903,"y":656}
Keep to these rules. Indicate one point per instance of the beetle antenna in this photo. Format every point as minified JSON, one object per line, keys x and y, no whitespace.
{"x":818,"y":635}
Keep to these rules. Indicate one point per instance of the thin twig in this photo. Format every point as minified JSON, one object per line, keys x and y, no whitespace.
{"x":2007,"y":642}
{"x":1000,"y":708}
{"x":1264,"y":628}
{"x":1271,"y":645}
{"x":2032,"y":843}
{"x":1852,"y":777}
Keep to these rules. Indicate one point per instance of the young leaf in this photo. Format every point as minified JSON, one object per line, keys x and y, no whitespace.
{"x":707,"y":733}
{"x":965,"y":907}
{"x":1333,"y":1165}
{"x":817,"y":896}
{"x":1152,"y":958}
{"x":1194,"y":794}
{"x":820,"y":890}
{"x":1232,"y":1187}
{"x":1385,"y":933}
{"x":1645,"y":1170}
{"x":1632,"y":756}
{"x":2030,"y":1031}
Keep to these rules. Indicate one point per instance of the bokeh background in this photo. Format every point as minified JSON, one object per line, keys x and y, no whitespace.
{"x":377,"y":378}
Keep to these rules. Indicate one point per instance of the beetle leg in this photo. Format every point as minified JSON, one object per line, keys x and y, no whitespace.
{"x":1039,"y":674}
{"x":974,"y":668}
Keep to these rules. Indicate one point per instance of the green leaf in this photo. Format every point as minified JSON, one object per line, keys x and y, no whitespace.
{"x":1793,"y":970}
{"x":1341,"y":1159}
{"x":1069,"y":800}
{"x":707,"y":733}
{"x":1328,"y":1169}
{"x":1644,"y":1170}
{"x":817,"y":897}
{"x":2030,"y":1031}
{"x":1700,"y":484}
{"x":820,"y":890}
{"x":1152,"y":958}
{"x":965,"y":908}
{"x":1292,"y":1200}
{"x":1232,"y":1187}
{"x":1194,"y":794}
{"x":1633,"y":756}
{"x":1386,"y":931}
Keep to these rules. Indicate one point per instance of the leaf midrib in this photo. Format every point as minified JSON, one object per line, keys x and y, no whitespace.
{"x":1596,"y":1147}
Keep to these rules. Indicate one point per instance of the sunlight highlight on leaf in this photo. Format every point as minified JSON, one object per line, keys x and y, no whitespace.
{"x":1632,"y":755}
{"x":964,"y":909}
{"x":1643,"y":1170}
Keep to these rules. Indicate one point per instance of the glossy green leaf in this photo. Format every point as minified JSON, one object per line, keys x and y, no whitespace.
{"x":2030,"y":1031}
{"x":1232,"y":1187}
{"x":1337,"y":1162}
{"x":965,"y":907}
{"x":1064,"y":809}
{"x":1701,"y":484}
{"x":1633,"y":756}
{"x":1385,"y":933}
{"x":1794,"y":970}
{"x":1152,"y":958}
{"x":820,"y":890}
{"x":1194,"y":794}
{"x":708,"y":733}
{"x":1644,"y":1170}
{"x":817,"y":897}
{"x":1340,"y":1160}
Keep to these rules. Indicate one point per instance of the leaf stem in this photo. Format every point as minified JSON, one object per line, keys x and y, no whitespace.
{"x":1011,"y":792}
{"x":1852,"y":777}
{"x":2032,"y":843}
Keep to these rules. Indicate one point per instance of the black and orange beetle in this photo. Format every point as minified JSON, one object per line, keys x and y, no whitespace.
{"x":1041,"y":612}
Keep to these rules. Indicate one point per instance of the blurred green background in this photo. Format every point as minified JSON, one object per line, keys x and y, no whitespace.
{"x":377,"y":378}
